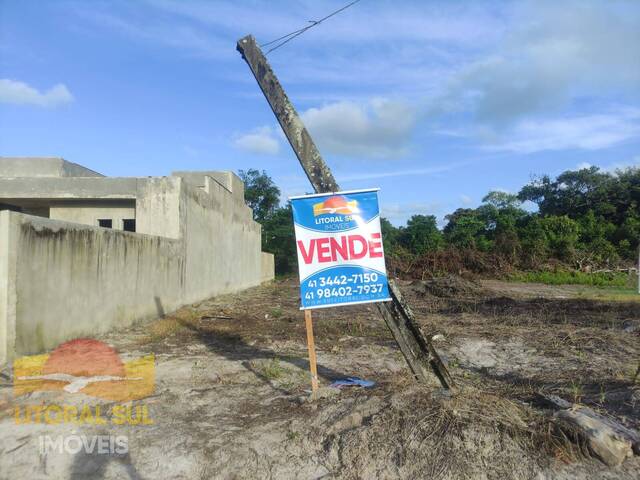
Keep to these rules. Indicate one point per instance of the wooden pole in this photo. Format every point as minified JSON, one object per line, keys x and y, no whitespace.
{"x":417,"y":349}
{"x":311,"y":345}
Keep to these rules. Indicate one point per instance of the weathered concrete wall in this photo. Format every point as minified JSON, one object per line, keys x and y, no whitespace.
{"x":73,"y":280}
{"x":222,"y":241}
{"x":229,"y":180}
{"x":67,"y":188}
{"x":8,"y":249}
{"x":65,"y":280}
{"x":42,"y":167}
{"x":268,"y":267}
{"x":158,"y":206}
{"x":90,"y":213}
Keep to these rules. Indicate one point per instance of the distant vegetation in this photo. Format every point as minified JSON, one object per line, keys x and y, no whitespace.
{"x":587,"y":220}
{"x":598,"y":279}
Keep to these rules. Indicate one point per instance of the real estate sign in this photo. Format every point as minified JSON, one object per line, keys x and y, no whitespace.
{"x":339,"y":244}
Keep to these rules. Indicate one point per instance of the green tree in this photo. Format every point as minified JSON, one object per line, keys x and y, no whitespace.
{"x":466,"y":229}
{"x":533,"y":240}
{"x":585,"y":217}
{"x":260,"y":193}
{"x":390,"y":236}
{"x":421,"y":235}
{"x":572,"y":193}
{"x":278,"y":237}
{"x":501,"y":200}
{"x":562,"y":235}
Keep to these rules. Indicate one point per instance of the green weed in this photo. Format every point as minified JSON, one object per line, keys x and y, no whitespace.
{"x":600,"y":279}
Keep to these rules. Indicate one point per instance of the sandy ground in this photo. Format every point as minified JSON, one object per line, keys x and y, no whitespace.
{"x":232,"y":384}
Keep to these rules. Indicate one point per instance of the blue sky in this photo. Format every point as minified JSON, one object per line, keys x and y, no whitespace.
{"x":435,"y":102}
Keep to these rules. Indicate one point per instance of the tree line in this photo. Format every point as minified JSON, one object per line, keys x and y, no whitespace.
{"x":585,"y":219}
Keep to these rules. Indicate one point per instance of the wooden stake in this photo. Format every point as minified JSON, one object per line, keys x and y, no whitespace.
{"x":311,"y":344}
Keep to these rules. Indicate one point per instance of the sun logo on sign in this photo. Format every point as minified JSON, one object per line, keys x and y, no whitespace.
{"x":336,"y":204}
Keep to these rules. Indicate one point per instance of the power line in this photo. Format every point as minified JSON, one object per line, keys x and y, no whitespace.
{"x":290,"y":36}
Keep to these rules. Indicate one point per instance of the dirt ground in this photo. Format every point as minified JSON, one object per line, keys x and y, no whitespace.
{"x":232,"y":385}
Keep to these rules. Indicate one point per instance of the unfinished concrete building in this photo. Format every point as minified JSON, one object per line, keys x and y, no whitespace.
{"x":81,"y":253}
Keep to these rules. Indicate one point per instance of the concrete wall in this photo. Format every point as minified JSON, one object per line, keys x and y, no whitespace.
{"x":68,"y":188}
{"x":42,"y":167}
{"x":158,"y":206}
{"x":72,"y":280}
{"x":90,"y":213}
{"x":229,"y":180}
{"x":268,"y":267}
{"x":221,"y":239}
{"x":61,"y":280}
{"x":8,"y":250}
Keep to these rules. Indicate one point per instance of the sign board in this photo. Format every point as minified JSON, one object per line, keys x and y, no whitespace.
{"x":339,"y":245}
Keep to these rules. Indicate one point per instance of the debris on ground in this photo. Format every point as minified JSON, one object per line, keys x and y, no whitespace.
{"x":232,"y":394}
{"x":352,"y":382}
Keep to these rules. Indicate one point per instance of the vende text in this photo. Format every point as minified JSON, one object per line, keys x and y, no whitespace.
{"x":347,"y":247}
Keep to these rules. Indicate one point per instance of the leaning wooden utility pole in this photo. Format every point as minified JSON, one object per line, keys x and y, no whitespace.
{"x":417,"y":349}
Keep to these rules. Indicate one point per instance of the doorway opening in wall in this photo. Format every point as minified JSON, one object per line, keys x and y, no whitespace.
{"x":129,"y":224}
{"x":105,"y":223}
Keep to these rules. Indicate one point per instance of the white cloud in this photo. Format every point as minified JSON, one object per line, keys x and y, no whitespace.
{"x":499,"y":69}
{"x":363,"y":23}
{"x":262,"y":140}
{"x":399,"y":213}
{"x":622,"y":165}
{"x":380,"y":129}
{"x":401,"y":173}
{"x":164,"y":32}
{"x":556,"y":53}
{"x":586,"y":132}
{"x":466,"y":200}
{"x":20,"y":93}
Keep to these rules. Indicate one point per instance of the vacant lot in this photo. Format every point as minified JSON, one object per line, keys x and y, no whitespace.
{"x":232,"y":387}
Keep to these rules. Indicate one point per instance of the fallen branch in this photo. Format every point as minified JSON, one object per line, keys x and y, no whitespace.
{"x":607,"y":439}
{"x":216,"y":317}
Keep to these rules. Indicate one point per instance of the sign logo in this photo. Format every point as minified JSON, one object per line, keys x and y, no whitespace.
{"x":339,"y":245}
{"x":336,"y":204}
{"x":85,"y":366}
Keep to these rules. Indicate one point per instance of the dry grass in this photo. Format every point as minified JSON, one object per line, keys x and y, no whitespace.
{"x":170,"y":325}
{"x":583,"y":355}
{"x":438,"y":437}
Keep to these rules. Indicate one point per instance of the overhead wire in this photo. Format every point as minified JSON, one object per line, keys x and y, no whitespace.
{"x":296,"y":33}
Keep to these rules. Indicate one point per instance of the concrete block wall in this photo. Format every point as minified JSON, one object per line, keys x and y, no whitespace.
{"x":90,"y":213}
{"x":61,"y":280}
{"x":222,"y":241}
{"x":71,"y":280}
{"x":268,"y":266}
{"x":158,"y":206}
{"x":8,"y":254}
{"x":15,"y":167}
